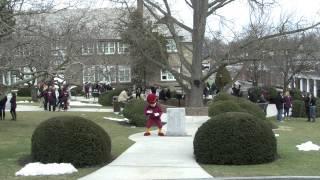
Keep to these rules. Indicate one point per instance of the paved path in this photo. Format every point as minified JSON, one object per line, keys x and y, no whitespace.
{"x":156,"y":158}
{"x":159,"y":157}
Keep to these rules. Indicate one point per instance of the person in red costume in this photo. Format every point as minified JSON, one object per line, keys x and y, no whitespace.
{"x":154,"y":112}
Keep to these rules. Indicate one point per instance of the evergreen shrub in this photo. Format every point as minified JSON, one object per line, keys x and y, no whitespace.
{"x":134,"y":111}
{"x":70,"y":139}
{"x":24,"y":92}
{"x":235,"y":138}
{"x":105,"y":99}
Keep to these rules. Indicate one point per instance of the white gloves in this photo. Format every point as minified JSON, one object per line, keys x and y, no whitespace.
{"x":156,"y":114}
{"x":149,"y":111}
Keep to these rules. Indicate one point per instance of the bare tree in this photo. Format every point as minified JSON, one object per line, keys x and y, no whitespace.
{"x":192,"y":81}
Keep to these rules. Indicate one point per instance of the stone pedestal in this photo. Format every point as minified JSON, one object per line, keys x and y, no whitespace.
{"x":176,"y":124}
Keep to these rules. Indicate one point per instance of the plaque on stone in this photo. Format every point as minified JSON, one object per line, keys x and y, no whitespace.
{"x":176,"y":123}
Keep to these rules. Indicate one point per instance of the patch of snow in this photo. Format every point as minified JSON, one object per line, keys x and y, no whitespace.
{"x":116,"y":113}
{"x":115,"y":119}
{"x":276,"y":135}
{"x":37,"y":168}
{"x":308,"y":146}
{"x":23,"y":102}
{"x":77,"y":103}
{"x":133,"y":126}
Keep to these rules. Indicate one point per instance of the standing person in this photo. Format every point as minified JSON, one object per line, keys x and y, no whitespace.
{"x":13,"y":102}
{"x":52,"y":98}
{"x":138,"y":93}
{"x":307,"y":101}
{"x":64,"y":99}
{"x":287,"y":104}
{"x":3,"y":102}
{"x":153,"y":111}
{"x":86,"y":90}
{"x":313,"y":106}
{"x":279,"y":104}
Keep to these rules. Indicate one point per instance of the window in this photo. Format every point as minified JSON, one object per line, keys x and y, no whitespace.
{"x":88,"y":74}
{"x":87,"y":49}
{"x":111,"y":74}
{"x":123,"y":48}
{"x":124,"y":73}
{"x":58,"y":49}
{"x":110,"y":48}
{"x":101,"y":73}
{"x":171,"y":46}
{"x":167,"y":76}
{"x":106,"y":47}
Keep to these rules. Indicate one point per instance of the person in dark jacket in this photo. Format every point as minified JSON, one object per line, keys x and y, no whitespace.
{"x":279,"y":100}
{"x":3,"y":102}
{"x":313,"y":107}
{"x":307,"y":100}
{"x":13,"y":102}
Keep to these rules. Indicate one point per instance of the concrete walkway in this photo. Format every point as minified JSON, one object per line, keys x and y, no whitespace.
{"x":159,"y":157}
{"x":156,"y":157}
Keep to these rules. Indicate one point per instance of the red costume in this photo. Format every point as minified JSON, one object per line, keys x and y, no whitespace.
{"x":154,"y":112}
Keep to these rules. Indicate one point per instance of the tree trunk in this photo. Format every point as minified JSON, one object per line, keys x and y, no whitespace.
{"x":34,"y":93}
{"x":199,"y":24}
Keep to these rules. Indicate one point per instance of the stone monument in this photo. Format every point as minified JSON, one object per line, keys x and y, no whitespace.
{"x":176,"y":125}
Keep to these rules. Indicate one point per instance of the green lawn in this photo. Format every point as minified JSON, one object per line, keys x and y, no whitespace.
{"x":291,"y":162}
{"x":15,"y":140}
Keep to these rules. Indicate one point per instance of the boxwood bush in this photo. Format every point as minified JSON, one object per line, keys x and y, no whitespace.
{"x":24,"y":92}
{"x":105,"y":99}
{"x":221,"y":107}
{"x":234,"y":105}
{"x":77,"y":91}
{"x":134,"y":111}
{"x":299,"y":110}
{"x":222,"y":96}
{"x":234,"y":138}
{"x":70,"y":139}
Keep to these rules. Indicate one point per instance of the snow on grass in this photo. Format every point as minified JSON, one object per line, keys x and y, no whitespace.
{"x":308,"y":146}
{"x":37,"y":168}
{"x":115,"y":119}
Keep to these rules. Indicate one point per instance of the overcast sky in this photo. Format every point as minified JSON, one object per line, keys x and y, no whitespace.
{"x":236,"y":14}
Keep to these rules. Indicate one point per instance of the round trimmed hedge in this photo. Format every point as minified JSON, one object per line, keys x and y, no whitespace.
{"x":298,"y":109}
{"x":134,"y":111}
{"x":105,"y":99}
{"x":234,"y":138}
{"x":24,"y":92}
{"x":222,"y":96}
{"x":220,"y":107}
{"x":234,"y":105}
{"x":70,"y":139}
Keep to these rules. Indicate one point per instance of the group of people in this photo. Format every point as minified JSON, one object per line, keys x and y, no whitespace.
{"x":13,"y":106}
{"x":95,"y":89}
{"x":49,"y":98}
{"x":284,"y":103}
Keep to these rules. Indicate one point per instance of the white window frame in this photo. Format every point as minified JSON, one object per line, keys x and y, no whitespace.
{"x":101,"y":75}
{"x":124,"y":74}
{"x":100,"y":47}
{"x":171,"y":46}
{"x":123,"y":48}
{"x":87,"y":48}
{"x":89,"y":73}
{"x":112,"y":74}
{"x":109,"y":48}
{"x":168,"y":75}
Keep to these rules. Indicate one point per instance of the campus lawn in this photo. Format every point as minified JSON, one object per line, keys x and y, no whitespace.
{"x":291,"y":161}
{"x":15,"y":140}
